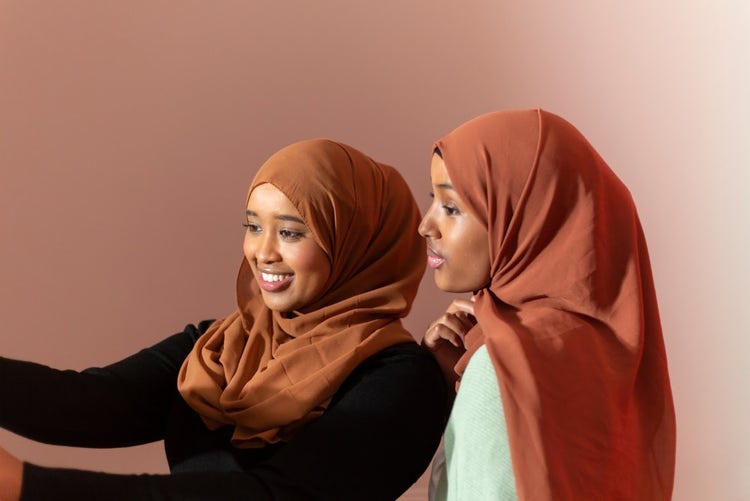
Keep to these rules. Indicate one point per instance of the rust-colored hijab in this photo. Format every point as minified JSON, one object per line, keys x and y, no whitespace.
{"x":266,"y":373}
{"x":570,"y":317}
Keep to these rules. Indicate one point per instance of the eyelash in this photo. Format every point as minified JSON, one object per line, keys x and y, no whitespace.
{"x":450,"y":210}
{"x":286,"y":234}
{"x":291,"y":235}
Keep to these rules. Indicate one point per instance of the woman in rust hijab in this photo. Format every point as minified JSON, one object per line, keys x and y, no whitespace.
{"x":564,"y":390}
{"x":311,"y":389}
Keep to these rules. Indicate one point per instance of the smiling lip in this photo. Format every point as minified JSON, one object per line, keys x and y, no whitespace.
{"x":434,"y":260}
{"x":274,"y":282}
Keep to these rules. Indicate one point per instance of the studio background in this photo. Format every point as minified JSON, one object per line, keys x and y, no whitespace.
{"x":129,"y":132}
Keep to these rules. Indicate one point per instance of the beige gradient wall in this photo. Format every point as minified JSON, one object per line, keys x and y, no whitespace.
{"x":130,"y":130}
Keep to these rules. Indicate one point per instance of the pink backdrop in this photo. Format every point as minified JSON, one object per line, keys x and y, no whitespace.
{"x":129,"y":132}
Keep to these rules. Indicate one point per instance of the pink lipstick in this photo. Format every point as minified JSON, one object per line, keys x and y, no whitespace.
{"x":434,"y":260}
{"x":274,"y":282}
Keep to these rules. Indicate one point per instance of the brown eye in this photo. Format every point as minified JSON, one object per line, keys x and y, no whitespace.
{"x":291,"y":235}
{"x":451,"y":210}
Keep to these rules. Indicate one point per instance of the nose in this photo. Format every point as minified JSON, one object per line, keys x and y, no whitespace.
{"x":427,"y":227}
{"x":263,"y":248}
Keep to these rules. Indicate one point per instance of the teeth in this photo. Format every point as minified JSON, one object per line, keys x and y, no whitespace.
{"x":270,"y":277}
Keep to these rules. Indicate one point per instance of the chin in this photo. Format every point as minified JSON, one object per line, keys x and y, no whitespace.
{"x":274,"y":305}
{"x":447,"y":286}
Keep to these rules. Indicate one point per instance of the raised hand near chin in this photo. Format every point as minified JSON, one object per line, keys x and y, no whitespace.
{"x":451,"y":326}
{"x":445,"y":336}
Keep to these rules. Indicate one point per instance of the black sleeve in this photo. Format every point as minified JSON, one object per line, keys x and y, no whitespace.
{"x":373,"y":443}
{"x":55,"y":484}
{"x":122,"y":404}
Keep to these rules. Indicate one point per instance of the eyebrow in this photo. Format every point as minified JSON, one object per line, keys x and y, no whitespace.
{"x":281,"y":217}
{"x":445,"y":186}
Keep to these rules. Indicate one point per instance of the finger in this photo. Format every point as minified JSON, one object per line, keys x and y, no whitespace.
{"x":464,"y":305}
{"x":460,"y":322}
{"x":452,"y":327}
{"x":467,"y":321}
{"x":457,"y":323}
{"x":441,"y":333}
{"x":438,"y":333}
{"x":432,"y":339}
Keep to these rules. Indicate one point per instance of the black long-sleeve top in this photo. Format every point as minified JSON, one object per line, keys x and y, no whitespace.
{"x":376,"y":438}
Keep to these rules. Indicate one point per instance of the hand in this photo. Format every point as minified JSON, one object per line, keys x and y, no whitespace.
{"x":452,"y":326}
{"x":11,"y":475}
{"x":445,"y":337}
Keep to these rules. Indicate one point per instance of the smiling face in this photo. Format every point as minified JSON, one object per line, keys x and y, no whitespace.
{"x":291,"y":268}
{"x":457,"y":243}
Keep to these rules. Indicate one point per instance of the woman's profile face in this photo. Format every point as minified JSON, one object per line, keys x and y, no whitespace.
{"x":289,"y":265}
{"x":457,"y":243}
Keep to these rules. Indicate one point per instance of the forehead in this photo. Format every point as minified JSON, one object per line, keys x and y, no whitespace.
{"x":268,"y":198}
{"x":439,"y":173}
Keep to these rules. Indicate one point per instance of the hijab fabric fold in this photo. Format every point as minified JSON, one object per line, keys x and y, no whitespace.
{"x":266,"y":373}
{"x":570,"y":317}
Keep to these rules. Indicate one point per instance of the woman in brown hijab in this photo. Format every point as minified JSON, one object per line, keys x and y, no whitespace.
{"x":312,"y":389}
{"x":565,"y":392}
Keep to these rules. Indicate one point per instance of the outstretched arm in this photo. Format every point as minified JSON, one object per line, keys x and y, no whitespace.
{"x":375,"y":440}
{"x":122,"y":404}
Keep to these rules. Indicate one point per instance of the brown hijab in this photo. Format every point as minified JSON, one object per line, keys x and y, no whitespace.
{"x":569,"y":318}
{"x":268,"y":373}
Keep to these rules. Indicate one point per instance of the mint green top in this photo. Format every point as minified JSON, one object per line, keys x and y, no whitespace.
{"x":476,"y":464}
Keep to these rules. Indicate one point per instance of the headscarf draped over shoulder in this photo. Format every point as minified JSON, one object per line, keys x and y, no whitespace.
{"x":266,"y":373}
{"x":570,"y":317}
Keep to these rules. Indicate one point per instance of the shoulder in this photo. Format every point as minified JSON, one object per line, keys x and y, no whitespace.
{"x":404,"y":352}
{"x":192,"y":332}
{"x":404,"y":356}
{"x":171,"y":350}
{"x":405,"y":371}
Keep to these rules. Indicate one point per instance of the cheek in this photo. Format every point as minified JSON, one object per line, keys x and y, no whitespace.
{"x":476,"y":254}
{"x":476,"y":249}
{"x":481,"y":260}
{"x":247,"y":248}
{"x":309,"y":259}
